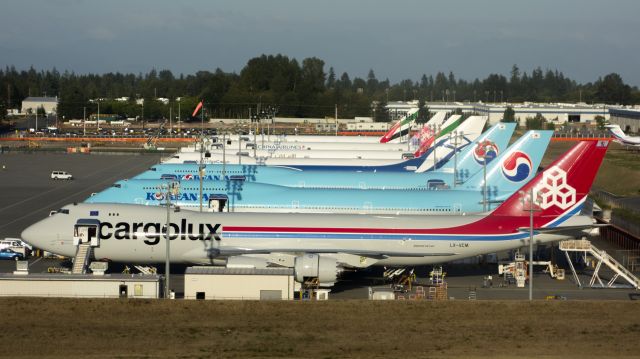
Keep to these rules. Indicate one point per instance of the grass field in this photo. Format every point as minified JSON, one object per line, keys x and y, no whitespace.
{"x":192,"y":329}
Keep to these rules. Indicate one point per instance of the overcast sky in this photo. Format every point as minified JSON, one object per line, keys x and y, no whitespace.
{"x":399,"y":39}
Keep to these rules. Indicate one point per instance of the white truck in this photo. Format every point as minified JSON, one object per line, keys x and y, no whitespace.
{"x":61,"y":175}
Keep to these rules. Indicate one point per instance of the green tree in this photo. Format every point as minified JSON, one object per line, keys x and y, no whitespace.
{"x":423,"y":111}
{"x":3,"y":111}
{"x":611,"y":89}
{"x":380,"y":112}
{"x":600,"y":121}
{"x":536,"y":123}
{"x":509,"y":115}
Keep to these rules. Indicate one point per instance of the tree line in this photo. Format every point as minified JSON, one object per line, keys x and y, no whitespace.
{"x":277,"y":84}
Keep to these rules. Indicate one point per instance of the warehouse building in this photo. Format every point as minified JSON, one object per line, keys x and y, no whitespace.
{"x":627,"y":119}
{"x":558,"y":113}
{"x":49,"y":104}
{"x":239,"y":283}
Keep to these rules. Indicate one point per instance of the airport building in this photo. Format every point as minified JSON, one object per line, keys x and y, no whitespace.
{"x":49,"y":104}
{"x":239,"y":283}
{"x":558,"y":113}
{"x":628,"y":119}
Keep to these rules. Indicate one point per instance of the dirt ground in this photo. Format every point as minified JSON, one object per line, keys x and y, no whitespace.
{"x":95,"y":328}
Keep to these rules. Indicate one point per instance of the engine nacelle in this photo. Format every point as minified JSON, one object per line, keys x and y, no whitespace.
{"x":246,"y":262}
{"x":311,"y":265}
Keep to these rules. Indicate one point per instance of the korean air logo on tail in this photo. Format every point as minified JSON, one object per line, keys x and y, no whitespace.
{"x":517,"y":167}
{"x":485,"y":151}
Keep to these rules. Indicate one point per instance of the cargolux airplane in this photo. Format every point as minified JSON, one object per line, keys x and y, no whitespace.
{"x":468,"y":162}
{"x":622,"y":138}
{"x":320,"y":245}
{"x":515,"y":167}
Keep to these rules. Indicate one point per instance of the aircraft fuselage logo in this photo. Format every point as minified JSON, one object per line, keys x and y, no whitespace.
{"x":195,"y":177}
{"x":485,"y":151}
{"x":517,"y":167}
{"x":554,"y":190}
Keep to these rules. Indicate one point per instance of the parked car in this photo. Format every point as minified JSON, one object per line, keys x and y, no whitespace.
{"x":62,"y":175}
{"x":7,"y":253}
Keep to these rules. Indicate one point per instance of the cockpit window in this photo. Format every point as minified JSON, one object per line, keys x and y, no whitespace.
{"x":63,"y":211}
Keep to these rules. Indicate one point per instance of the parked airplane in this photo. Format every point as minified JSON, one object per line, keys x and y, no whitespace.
{"x":472,"y":127}
{"x":622,"y":138}
{"x":402,"y":126}
{"x":509,"y":172}
{"x":468,"y":162}
{"x":322,"y":246}
{"x":261,"y":151}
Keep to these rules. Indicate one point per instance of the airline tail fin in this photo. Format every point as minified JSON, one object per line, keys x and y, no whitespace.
{"x":440,"y":132}
{"x":616,"y":132}
{"x":514,"y":167}
{"x":401,"y":127}
{"x":487,"y":147}
{"x":560,"y":190}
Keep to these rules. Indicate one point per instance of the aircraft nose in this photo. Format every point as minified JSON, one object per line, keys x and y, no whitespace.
{"x":33,"y":234}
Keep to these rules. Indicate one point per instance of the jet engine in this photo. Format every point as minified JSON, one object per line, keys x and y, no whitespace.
{"x":311,"y":265}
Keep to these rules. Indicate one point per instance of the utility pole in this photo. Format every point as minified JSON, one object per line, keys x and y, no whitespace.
{"x":336,"y":119}
{"x":531,"y":209}
{"x":98,"y":119}
{"x":224,"y":155}
{"x":455,"y":158}
{"x":179,"y":117}
{"x":84,"y":121}
{"x":201,"y":168}
{"x":484,"y":182}
{"x":170,"y":131}
{"x":170,"y":188}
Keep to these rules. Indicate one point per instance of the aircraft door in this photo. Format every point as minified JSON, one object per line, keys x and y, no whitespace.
{"x":217,"y":203}
{"x":457,"y":208}
{"x":86,"y":231}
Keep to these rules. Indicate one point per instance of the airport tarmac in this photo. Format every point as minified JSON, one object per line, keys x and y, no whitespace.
{"x":29,"y":194}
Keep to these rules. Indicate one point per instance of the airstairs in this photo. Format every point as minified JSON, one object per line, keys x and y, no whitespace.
{"x":146,"y":269}
{"x":81,"y":260}
{"x":602,"y":257}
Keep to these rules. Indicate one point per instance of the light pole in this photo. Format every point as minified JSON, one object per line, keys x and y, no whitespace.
{"x":531,"y":209}
{"x":201,"y":168}
{"x":168,"y":189}
{"x":436,"y":131}
{"x":455,"y":158}
{"x":484,"y":184}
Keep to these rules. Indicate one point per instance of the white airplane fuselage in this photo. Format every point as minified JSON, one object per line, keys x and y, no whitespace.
{"x":131,"y":233}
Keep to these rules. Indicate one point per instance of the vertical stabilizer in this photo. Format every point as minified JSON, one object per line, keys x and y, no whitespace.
{"x":487,"y":147}
{"x":514,"y":167}
{"x":561,"y":188}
